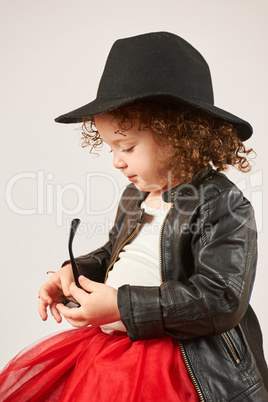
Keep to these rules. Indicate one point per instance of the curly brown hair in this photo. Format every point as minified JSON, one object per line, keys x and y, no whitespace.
{"x":198,"y":139}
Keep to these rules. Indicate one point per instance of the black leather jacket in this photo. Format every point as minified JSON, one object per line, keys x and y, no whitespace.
{"x":208,"y":261}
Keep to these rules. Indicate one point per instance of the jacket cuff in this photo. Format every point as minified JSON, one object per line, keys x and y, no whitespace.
{"x":93,"y":265}
{"x":140,"y":311}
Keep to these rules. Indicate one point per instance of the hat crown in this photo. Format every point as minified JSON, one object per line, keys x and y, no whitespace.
{"x":156,"y":63}
{"x":160,"y":65}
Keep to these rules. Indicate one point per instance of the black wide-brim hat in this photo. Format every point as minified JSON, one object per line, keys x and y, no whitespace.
{"x":158,"y":64}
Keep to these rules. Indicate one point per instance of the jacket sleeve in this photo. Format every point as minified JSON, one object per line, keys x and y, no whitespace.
{"x":216,"y":295}
{"x":94,"y":264}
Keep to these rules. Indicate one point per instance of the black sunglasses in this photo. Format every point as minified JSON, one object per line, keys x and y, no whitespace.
{"x":76,"y":271}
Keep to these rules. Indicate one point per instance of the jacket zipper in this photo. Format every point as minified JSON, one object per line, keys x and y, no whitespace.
{"x":231,"y":347}
{"x":183,"y":353}
{"x":120,"y":248}
{"x":190,"y":372}
{"x":160,"y":244}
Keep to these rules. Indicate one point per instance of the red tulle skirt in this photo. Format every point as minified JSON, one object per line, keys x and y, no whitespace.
{"x":89,"y":365}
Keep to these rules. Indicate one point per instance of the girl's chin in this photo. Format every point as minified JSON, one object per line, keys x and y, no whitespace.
{"x":138,"y":187}
{"x":148,"y":188}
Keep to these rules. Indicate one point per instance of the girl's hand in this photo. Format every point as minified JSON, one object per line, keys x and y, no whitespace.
{"x":97,"y":308}
{"x":52,"y":292}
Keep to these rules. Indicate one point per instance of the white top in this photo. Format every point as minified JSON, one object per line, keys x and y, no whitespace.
{"x":138,"y":262}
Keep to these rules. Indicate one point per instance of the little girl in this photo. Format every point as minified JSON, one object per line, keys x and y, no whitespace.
{"x":164,"y":305}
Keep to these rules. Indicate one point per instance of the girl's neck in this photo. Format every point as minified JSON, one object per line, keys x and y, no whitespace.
{"x":155,"y":200}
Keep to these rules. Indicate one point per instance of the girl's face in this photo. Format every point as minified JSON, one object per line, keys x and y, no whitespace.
{"x":136,"y":154}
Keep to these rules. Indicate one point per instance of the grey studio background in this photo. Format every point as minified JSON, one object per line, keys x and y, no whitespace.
{"x":52,"y":56}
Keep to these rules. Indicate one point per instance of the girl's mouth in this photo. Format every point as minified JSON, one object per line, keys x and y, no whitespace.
{"x":131,"y":178}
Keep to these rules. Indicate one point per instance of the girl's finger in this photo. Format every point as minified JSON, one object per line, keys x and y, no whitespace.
{"x":70,"y":313}
{"x":44,"y":296}
{"x":90,"y":286}
{"x":42,"y":309}
{"x":46,"y":291}
{"x":67,"y":279}
{"x":55,"y":313}
{"x":77,"y":293}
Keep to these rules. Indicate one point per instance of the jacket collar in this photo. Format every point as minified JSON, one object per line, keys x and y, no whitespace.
{"x":187,"y":189}
{"x":172,"y":194}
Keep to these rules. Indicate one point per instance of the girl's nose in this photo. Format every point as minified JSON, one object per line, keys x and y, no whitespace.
{"x":118,"y":161}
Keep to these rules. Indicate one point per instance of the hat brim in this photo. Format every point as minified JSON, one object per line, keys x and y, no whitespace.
{"x":103,"y":105}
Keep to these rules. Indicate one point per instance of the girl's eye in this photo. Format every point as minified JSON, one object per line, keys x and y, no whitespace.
{"x":128,"y":149}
